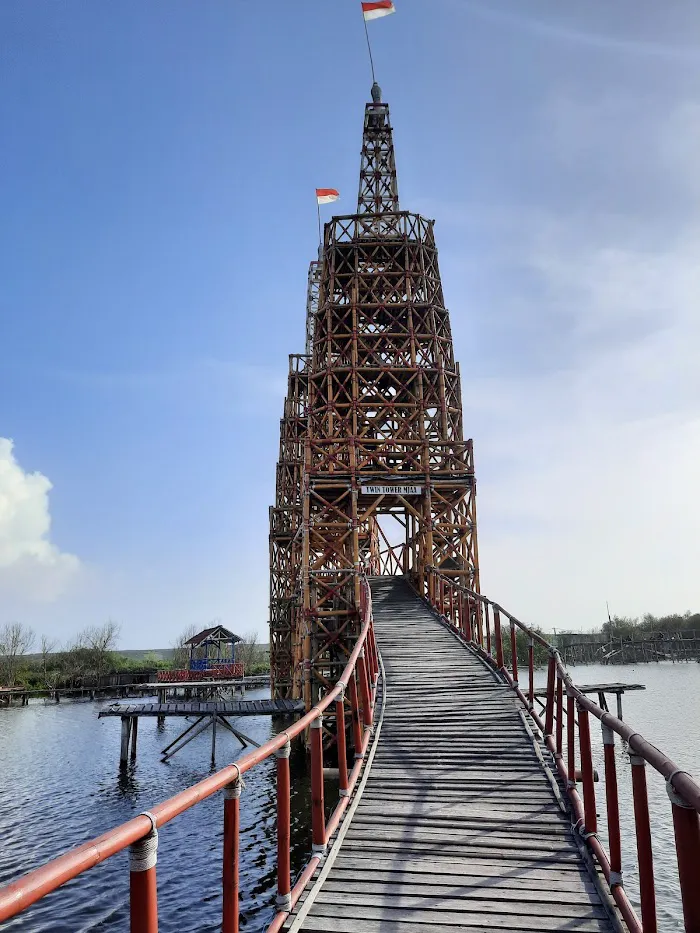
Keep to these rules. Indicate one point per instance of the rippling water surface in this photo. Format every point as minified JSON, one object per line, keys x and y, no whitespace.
{"x":60,"y":785}
{"x":667,"y":714}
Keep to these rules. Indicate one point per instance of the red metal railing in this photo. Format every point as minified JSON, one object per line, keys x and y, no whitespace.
{"x":140,"y":835}
{"x":217,"y":671}
{"x":477,"y":620}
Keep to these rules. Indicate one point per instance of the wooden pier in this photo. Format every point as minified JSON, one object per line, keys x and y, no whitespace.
{"x":461,"y":824}
{"x":207,"y":715}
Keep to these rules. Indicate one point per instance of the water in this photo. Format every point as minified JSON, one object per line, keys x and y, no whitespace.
{"x":60,"y":785}
{"x":667,"y":714}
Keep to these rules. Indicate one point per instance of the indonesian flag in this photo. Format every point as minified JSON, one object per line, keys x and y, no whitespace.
{"x":377,"y":9}
{"x":326,"y":195}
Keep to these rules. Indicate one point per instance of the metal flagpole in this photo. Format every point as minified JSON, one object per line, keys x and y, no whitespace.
{"x":318,"y":214}
{"x":369,"y":49}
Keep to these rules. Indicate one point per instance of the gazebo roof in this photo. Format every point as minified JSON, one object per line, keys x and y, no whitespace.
{"x":216,"y":633}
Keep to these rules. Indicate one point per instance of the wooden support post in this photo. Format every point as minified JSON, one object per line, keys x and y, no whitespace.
{"x":134,"y":736}
{"x":284,"y":885}
{"x":619,"y":704}
{"x":213,"y":739}
{"x":126,"y":732}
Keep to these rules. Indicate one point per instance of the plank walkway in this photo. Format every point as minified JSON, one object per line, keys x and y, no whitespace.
{"x":458,"y":826}
{"x":223,"y":707}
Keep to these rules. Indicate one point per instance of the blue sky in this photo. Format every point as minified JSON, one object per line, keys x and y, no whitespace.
{"x":156,"y":189}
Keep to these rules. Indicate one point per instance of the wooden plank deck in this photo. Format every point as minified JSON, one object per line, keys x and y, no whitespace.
{"x":196,"y":708}
{"x":458,"y":826}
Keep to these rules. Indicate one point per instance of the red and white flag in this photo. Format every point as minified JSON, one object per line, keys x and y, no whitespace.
{"x":377,"y":9}
{"x":326,"y":195}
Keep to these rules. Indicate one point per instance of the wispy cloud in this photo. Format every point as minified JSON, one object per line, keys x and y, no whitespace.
{"x":559,"y":32}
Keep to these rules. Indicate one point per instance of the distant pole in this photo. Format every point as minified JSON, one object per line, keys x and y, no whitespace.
{"x":369,"y":49}
{"x":318,"y":214}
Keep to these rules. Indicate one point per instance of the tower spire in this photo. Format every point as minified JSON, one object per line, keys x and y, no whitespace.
{"x":379,"y":191}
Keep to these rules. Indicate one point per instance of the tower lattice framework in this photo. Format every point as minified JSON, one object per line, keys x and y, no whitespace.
{"x":374,"y":473}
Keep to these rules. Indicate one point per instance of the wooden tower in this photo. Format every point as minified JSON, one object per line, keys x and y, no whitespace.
{"x":374,"y":472}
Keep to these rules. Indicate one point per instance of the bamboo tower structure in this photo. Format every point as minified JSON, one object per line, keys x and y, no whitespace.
{"x":374,"y":473}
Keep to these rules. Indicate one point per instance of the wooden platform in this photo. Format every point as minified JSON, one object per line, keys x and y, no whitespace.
{"x":458,"y":825}
{"x":194,"y":708}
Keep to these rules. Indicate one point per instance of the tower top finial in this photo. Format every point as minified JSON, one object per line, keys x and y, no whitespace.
{"x":376,"y":93}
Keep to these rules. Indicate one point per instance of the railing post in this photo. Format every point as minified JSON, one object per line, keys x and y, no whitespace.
{"x":487,"y":624}
{"x":645,"y":857}
{"x":549,"y":708}
{"x":686,"y":829}
{"x":341,"y":744}
{"x":364,"y":688}
{"x":232,"y":823}
{"x":514,"y":651}
{"x":468,"y":620}
{"x":584,"y":734}
{"x":497,"y":635}
{"x":531,"y":671}
{"x":143,"y":895}
{"x":571,"y":737}
{"x":560,"y":717}
{"x":284,"y":789}
{"x":355,"y":715}
{"x":318,"y":817}
{"x":612,"y":806}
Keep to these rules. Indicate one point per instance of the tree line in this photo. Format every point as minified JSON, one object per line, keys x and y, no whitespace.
{"x":43,"y":663}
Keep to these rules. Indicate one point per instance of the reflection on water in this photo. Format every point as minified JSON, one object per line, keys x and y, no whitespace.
{"x":60,"y":785}
{"x":667,"y":714}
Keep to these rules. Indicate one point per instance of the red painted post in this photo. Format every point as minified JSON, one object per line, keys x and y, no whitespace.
{"x":612,"y":806}
{"x":468,"y":620}
{"x":514,"y":650}
{"x":143,"y":896}
{"x":232,"y":824}
{"x":686,"y":828}
{"x":341,"y":745}
{"x":284,"y":789}
{"x":584,"y":735}
{"x":355,"y":715}
{"x":560,"y":716}
{"x":549,"y":709}
{"x":531,"y":671}
{"x":645,"y":857}
{"x":318,"y":817}
{"x":497,"y":635}
{"x":571,"y":738}
{"x":364,"y":689}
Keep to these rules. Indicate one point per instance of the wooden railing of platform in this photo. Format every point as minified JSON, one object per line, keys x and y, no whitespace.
{"x":354,"y":693}
{"x":479,"y":622}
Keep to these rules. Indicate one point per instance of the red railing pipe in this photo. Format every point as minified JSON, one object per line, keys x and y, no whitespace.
{"x":318,"y":817}
{"x":232,"y":826}
{"x":612,"y":805}
{"x":284,"y":791}
{"x":686,"y":828}
{"x":143,"y":893}
{"x":645,"y":855}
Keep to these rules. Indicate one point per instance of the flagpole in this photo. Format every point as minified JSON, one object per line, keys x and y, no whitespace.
{"x":318,"y":214}
{"x":369,"y":49}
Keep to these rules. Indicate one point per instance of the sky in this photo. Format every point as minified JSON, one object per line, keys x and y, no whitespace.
{"x":157,"y":174}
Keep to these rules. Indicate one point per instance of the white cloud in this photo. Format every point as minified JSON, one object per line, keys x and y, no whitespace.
{"x":31,"y":566}
{"x":587,"y":435}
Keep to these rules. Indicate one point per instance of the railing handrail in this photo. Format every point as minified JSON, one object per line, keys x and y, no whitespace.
{"x":681,"y":781}
{"x":36,"y":884}
{"x":448,"y":594}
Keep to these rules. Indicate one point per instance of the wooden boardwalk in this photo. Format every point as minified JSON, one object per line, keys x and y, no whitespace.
{"x":458,"y":825}
{"x":207,"y":708}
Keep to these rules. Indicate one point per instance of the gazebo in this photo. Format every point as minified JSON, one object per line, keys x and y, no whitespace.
{"x":212,"y":649}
